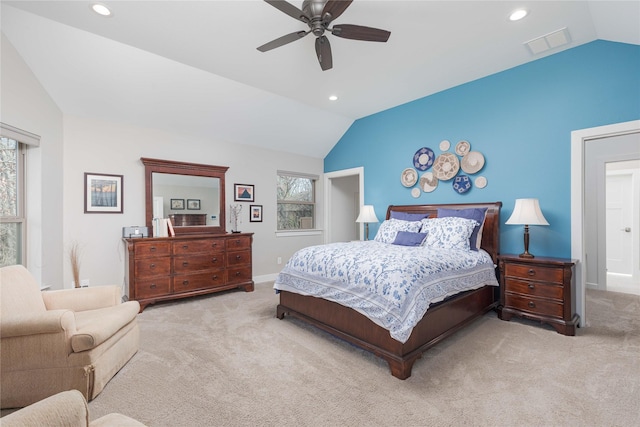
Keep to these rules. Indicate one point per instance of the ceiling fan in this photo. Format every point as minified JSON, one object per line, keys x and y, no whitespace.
{"x":318,"y":15}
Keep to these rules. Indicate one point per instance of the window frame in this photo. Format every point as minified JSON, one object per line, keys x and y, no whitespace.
{"x":21,"y":206}
{"x":314,"y":203}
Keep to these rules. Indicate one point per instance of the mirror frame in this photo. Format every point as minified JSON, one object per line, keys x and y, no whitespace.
{"x":184,"y":168}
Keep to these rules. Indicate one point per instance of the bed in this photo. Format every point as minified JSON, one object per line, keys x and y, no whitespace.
{"x":441,"y":320}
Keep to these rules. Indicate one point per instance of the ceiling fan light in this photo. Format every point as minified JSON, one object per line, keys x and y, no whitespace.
{"x":333,"y":97}
{"x":518,"y":14}
{"x":101,"y":9}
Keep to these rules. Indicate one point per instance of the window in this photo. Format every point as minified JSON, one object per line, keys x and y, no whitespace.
{"x":296,"y":201}
{"x":12,"y":215}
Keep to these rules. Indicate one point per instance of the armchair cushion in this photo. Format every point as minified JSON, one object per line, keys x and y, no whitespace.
{"x":93,"y":327}
{"x":20,"y":292}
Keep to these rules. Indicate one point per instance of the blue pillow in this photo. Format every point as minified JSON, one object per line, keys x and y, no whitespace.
{"x":407,"y":238}
{"x":477,"y":214}
{"x":404,"y":216}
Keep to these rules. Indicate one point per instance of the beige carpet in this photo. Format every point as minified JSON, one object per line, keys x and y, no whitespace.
{"x":225,"y":360}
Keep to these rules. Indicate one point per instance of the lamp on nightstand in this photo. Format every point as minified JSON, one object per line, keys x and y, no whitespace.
{"x":367,"y":215}
{"x":527,"y":212}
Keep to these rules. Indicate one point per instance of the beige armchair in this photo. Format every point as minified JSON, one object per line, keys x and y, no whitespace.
{"x":68,"y":408}
{"x":54,"y":341}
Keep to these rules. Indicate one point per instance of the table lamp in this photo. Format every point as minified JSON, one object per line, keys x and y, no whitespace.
{"x":526,"y":212}
{"x":367,"y":215}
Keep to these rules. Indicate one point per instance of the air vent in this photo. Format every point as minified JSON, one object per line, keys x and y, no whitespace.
{"x":549,"y":41}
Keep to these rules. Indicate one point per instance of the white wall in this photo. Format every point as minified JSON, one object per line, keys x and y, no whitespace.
{"x":26,"y":105}
{"x":92,"y":145}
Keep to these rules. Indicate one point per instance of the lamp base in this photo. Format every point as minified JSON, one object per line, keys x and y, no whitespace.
{"x":526,"y":255}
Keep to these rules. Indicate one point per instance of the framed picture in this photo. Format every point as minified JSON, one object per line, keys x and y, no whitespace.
{"x":193,"y":204}
{"x":243,"y":193}
{"x":177,"y":204}
{"x":102,"y":193}
{"x":255,"y":213}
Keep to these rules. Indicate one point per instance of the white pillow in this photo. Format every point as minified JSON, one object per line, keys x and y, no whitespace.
{"x":389,"y":228}
{"x":448,"y":232}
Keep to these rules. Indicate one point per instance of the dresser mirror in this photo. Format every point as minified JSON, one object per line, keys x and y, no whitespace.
{"x":191,"y":195}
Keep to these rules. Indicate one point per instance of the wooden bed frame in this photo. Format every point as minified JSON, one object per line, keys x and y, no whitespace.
{"x":439,"y":322}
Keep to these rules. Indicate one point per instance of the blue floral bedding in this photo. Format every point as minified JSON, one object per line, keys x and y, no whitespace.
{"x":392,"y":285}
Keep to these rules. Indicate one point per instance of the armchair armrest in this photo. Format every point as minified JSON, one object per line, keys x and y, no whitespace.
{"x":46,"y":322}
{"x":82,"y":299}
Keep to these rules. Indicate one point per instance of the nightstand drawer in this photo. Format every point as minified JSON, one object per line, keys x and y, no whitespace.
{"x":533,"y":288}
{"x":534,"y":305}
{"x":534,"y":272}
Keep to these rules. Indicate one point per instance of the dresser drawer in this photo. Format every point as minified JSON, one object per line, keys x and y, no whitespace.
{"x":240,"y":242}
{"x":148,"y":288}
{"x":187,"y":247}
{"x":236,"y":275}
{"x":534,"y":305}
{"x":151,"y":249}
{"x":194,"y":263}
{"x":533,"y":288}
{"x":535,"y":272}
{"x":238,"y":258}
{"x":149,"y":267}
{"x":188,"y":282}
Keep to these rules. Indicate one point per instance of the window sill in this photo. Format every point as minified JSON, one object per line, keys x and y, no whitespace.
{"x":296,"y":233}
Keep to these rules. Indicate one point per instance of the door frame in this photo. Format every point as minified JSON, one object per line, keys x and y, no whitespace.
{"x":579,"y":138}
{"x":328,"y":177}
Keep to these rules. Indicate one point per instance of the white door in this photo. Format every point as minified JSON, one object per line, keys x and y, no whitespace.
{"x":622,"y":235}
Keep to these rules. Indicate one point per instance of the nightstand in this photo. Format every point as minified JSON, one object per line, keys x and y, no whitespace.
{"x":541,"y":289}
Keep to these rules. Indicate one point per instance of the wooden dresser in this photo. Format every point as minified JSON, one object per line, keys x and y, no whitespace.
{"x":168,"y":268}
{"x":541,"y":289}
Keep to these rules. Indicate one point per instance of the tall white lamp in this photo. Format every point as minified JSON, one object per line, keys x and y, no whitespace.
{"x":367,"y":215}
{"x":527,"y":212}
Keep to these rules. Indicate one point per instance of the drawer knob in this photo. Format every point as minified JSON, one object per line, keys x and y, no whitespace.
{"x":531,"y":286}
{"x":532,"y":304}
{"x":153,"y":286}
{"x":185,"y":282}
{"x":215,"y":277}
{"x":152,"y":249}
{"x":152,"y":265}
{"x":214,"y":260}
{"x":215,"y":244}
{"x":185,"y":246}
{"x":185,"y":263}
{"x":237,"y":273}
{"x":238,"y":257}
{"x":531,"y":272}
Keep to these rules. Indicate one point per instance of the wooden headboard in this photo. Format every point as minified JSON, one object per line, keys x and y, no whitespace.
{"x":490,"y":231}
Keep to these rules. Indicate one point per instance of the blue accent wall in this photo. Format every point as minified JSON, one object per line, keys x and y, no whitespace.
{"x":521,"y":119}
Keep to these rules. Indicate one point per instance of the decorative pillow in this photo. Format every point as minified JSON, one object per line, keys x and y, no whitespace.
{"x":407,"y":238}
{"x":389,"y":228}
{"x":408,"y":216}
{"x":477,"y":214}
{"x":448,"y":232}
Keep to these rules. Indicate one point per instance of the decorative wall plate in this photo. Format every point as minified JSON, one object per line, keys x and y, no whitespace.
{"x":423,"y":159}
{"x":472,"y":162}
{"x":409,"y":177}
{"x":462,"y":148}
{"x":415,"y":192}
{"x":446,"y":166}
{"x":428,"y":182}
{"x":461,"y":184}
{"x":444,"y":145}
{"x":481,"y":182}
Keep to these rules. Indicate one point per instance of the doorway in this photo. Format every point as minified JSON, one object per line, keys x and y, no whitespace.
{"x":586,"y":191}
{"x":344,"y":194}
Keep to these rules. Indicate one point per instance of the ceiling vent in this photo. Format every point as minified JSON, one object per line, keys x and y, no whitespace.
{"x":549,"y":41}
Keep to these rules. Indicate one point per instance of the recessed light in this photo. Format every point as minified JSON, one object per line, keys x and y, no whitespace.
{"x":101,"y":9}
{"x":518,"y":14}
{"x":333,"y":98}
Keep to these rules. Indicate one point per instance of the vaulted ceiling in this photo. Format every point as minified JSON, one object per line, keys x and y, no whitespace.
{"x":192,"y":66}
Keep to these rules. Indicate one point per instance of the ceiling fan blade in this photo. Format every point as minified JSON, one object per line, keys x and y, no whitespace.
{"x":281,"y":41}
{"x":323,"y":50}
{"x":333,"y":9}
{"x":289,"y":9}
{"x":358,"y":32}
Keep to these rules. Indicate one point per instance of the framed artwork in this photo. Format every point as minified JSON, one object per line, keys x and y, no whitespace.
{"x":243,"y":193}
{"x":255,"y":213}
{"x":193,"y":204}
{"x":177,"y":204}
{"x":102,"y":193}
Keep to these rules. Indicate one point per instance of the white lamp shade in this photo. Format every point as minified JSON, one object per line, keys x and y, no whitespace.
{"x":527,"y":212}
{"x":367,"y":214}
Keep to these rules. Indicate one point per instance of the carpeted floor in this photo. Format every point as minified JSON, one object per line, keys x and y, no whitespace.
{"x":225,"y":360}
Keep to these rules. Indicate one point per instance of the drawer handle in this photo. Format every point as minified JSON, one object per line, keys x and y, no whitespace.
{"x":532,"y":272}
{"x":237,"y":273}
{"x":153,"y":248}
{"x":185,"y":246}
{"x":185,"y":263}
{"x":532,"y":304}
{"x":238,"y":242}
{"x":214,"y":277}
{"x":153,"y":286}
{"x":531,"y":286}
{"x":213,"y":245}
{"x":185,"y":282}
{"x":152,"y":265}
{"x":238,"y":257}
{"x":214,"y":260}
